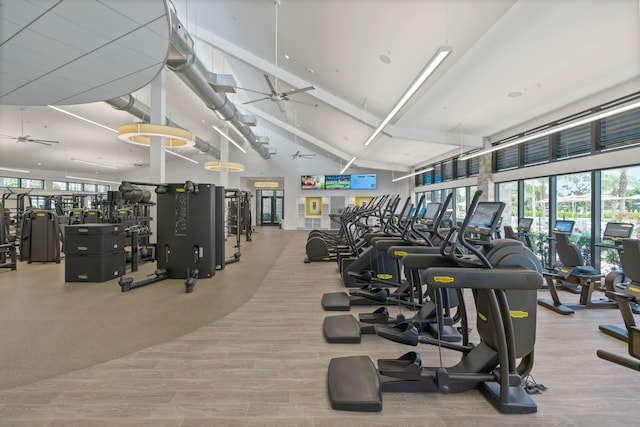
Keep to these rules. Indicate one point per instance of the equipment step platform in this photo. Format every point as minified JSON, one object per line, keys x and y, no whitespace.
{"x":354,"y":384}
{"x":341,"y":329}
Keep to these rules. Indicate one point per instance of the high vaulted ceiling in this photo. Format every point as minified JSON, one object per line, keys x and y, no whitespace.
{"x":512,"y":61}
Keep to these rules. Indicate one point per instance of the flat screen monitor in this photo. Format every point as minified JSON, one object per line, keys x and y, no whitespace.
{"x":563,"y":226}
{"x":365,"y":181}
{"x":337,"y":182}
{"x":312,"y":182}
{"x":486,"y":217}
{"x":524,"y":224}
{"x":617,"y":231}
{"x":431,"y":211}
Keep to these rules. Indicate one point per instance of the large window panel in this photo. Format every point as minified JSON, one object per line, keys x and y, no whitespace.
{"x":536,"y":206}
{"x":574,"y":203}
{"x":508,"y":194}
{"x":620,"y":203}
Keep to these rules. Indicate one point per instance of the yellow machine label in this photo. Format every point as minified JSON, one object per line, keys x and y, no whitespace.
{"x":482,"y":317}
{"x":633,"y":289}
{"x":180,"y":190}
{"x":477,"y":229}
{"x":326,"y":259}
{"x":384,"y":276}
{"x":91,"y":213}
{"x":40,"y":214}
{"x":564,"y":270}
{"x":400,"y":253}
{"x":123,"y":212}
{"x":518,"y":314}
{"x":443,"y":279}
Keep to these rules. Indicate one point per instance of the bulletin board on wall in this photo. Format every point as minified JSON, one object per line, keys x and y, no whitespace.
{"x":313,"y":207}
{"x":363,"y":200}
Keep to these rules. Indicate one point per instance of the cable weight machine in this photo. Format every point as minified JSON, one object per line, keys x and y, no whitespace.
{"x":186,"y":237}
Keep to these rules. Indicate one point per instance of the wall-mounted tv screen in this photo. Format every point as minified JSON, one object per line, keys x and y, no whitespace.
{"x":312,"y":182}
{"x":365,"y":181}
{"x":337,"y":182}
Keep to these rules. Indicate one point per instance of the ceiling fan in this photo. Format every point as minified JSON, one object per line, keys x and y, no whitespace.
{"x":27,"y":138}
{"x":274,"y":95}
{"x":278,"y":97}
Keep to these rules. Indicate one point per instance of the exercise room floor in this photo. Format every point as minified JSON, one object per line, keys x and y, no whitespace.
{"x":263,"y":362}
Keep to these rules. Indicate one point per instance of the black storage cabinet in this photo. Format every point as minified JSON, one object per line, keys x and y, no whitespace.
{"x":94,"y":252}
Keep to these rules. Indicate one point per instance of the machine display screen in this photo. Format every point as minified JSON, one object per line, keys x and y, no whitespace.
{"x":563,"y":226}
{"x":617,"y":230}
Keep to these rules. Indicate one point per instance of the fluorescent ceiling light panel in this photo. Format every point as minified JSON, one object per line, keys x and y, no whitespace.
{"x":82,"y":118}
{"x":182,"y":157}
{"x":347,"y":166}
{"x":431,"y":66}
{"x":15,"y":170}
{"x":229,"y":139}
{"x":555,"y":129}
{"x":411,"y":174}
{"x":87,"y":162}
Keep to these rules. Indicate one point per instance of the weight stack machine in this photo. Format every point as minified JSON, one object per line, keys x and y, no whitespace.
{"x":186,"y":237}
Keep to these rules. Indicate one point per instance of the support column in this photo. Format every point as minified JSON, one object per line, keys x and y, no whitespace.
{"x":158,"y":115}
{"x":485,"y":178}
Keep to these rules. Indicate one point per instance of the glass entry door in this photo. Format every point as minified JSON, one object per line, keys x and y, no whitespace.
{"x":271,"y":206}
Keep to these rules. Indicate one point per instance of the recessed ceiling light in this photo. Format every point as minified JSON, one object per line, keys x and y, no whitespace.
{"x":310,"y":70}
{"x":514,"y":94}
{"x":286,"y":56}
{"x":385,"y":59}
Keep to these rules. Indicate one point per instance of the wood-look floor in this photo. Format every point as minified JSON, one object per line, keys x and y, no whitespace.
{"x":265,"y":364}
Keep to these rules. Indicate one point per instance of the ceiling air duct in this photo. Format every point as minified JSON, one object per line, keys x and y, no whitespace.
{"x":183,"y":61}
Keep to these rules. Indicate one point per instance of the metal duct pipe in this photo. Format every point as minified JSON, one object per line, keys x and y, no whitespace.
{"x":129,"y":104}
{"x":182,"y":61}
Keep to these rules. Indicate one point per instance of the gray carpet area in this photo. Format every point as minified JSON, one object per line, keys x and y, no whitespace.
{"x":50,"y":327}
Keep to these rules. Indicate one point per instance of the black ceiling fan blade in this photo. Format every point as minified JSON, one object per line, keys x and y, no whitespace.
{"x":39,"y":142}
{"x":292,"y":91}
{"x":7,"y":137}
{"x":273,"y":90}
{"x":254,"y":91}
{"x":256,"y":100}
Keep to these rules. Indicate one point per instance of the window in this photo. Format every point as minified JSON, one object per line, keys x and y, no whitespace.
{"x":75,"y":186}
{"x":461,"y":168}
{"x":9,"y":182}
{"x":59,"y":185}
{"x":90,"y":187}
{"x":620,"y":189}
{"x":573,"y":142}
{"x":536,"y":206}
{"x":621,"y":130}
{"x":447,"y":170}
{"x":507,"y":158}
{"x":473,"y":166}
{"x":37,"y":184}
{"x":574,"y":203}
{"x":104,"y":188}
{"x":536,"y":151}
{"x":508,"y":193}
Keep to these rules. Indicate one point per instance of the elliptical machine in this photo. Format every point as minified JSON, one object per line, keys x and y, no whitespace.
{"x":504,"y":277}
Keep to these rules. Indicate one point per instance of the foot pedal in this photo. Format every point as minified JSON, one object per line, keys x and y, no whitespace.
{"x":354,"y":384}
{"x":336,"y":301}
{"x":342,"y":329}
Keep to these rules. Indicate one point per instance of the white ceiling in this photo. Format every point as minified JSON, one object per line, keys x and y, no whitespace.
{"x":554,"y":53}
